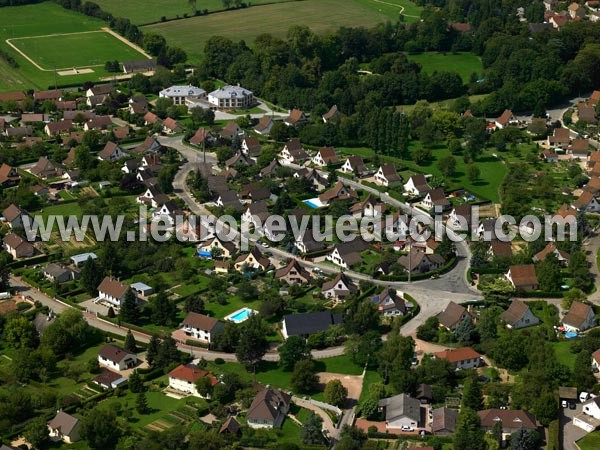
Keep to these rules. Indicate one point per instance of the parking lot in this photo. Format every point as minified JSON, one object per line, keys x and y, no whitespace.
{"x":571,"y":433}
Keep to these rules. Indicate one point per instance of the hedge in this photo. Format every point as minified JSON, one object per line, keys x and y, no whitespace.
{"x":195,"y":343}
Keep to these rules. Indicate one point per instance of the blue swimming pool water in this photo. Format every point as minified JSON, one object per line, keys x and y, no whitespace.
{"x":241,"y":315}
{"x":311,"y":204}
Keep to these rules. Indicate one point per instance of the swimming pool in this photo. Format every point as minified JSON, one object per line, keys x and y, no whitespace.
{"x":240,"y":315}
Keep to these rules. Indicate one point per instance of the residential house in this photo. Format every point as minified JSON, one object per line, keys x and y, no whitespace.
{"x":141,"y":65}
{"x":332,"y":115}
{"x":17,"y":246}
{"x":461,"y":358}
{"x":460,"y":218}
{"x":41,"y":321}
{"x":576,"y":11}
{"x":167,"y":212}
{"x":293,"y":152}
{"x":580,"y":148}
{"x":389,"y":303}
{"x":387,"y":175}
{"x":111,"y":152}
{"x":239,"y":159}
{"x":151,"y":119}
{"x":339,"y":287}
{"x":295,"y":118}
{"x":116,"y":358}
{"x":421,"y":262}
{"x":40,"y":96}
{"x":13,"y":216}
{"x":64,"y":427}
{"x":112,"y":291}
{"x":224,"y":248}
{"x":338,"y":192}
{"x":99,"y":123}
{"x":453,"y":315}
{"x":507,"y":118}
{"x":316,"y":180}
{"x":102,"y":89}
{"x":306,"y":243}
{"x":264,"y":126}
{"x":549,"y":156}
{"x":444,"y":421}
{"x":523,"y":277}
{"x":355,"y":165}
{"x":171,"y":126}
{"x":201,"y":327}
{"x":18,"y":132}
{"x":325,"y":156}
{"x":580,"y":317}
{"x":251,"y":146}
{"x":9,"y":176}
{"x":138,"y":104}
{"x":519,"y":315}
{"x":596,"y":360}
{"x":589,"y":419}
{"x":107,"y":379}
{"x":551,"y":248}
{"x":131,"y":165}
{"x":231,"y":97}
{"x":401,"y":411}
{"x":60,"y":127}
{"x":121,"y":133}
{"x":33,"y":119}
{"x":60,"y":273}
{"x":251,"y":261}
{"x":587,"y":113}
{"x":44,"y":169}
{"x":183,"y":378}
{"x":293,"y":273}
{"x":512,"y":420}
{"x":153,"y":197}
{"x":436,"y":199}
{"x":309,"y":323}
{"x":587,"y":202}
{"x":347,"y":254}
{"x":231,"y":130}
{"x":178,"y":94}
{"x":561,"y":138}
{"x":268,"y":409}
{"x":369,"y":207}
{"x":417,"y":185}
{"x":202,"y":137}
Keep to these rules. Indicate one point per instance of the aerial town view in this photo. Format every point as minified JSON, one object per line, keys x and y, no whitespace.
{"x":299,"y":225}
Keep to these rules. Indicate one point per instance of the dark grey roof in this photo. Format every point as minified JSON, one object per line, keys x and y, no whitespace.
{"x":309,"y":323}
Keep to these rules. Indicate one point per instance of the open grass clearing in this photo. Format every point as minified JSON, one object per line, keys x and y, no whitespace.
{"x":464,"y":63}
{"x":322,"y":16}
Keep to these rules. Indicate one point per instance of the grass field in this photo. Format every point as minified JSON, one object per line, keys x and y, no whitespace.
{"x":590,"y":442}
{"x":464,"y":63}
{"x":321,"y":15}
{"x":150,"y":11}
{"x":562,"y":350}
{"x":75,"y":50}
{"x":49,"y":18}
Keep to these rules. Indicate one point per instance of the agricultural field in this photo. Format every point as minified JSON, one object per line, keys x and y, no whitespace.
{"x":68,"y":51}
{"x":321,"y":15}
{"x":463,"y":63}
{"x":151,"y":11}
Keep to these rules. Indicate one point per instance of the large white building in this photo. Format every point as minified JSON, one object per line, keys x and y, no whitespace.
{"x":231,"y":97}
{"x":183,"y":379}
{"x":180,"y":93}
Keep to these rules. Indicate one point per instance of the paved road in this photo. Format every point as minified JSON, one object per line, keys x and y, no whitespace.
{"x":591,"y":246}
{"x":328,"y":424}
{"x":222,"y":115}
{"x":571,"y":433}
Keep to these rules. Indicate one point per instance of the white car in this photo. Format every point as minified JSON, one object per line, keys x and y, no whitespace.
{"x":407,"y":428}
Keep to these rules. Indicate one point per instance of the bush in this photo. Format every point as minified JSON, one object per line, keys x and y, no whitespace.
{"x":219,"y":361}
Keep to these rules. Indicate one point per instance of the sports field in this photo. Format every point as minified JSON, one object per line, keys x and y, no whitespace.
{"x":320,"y":15}
{"x":464,"y":63}
{"x":71,"y":50}
{"x":65,"y":51}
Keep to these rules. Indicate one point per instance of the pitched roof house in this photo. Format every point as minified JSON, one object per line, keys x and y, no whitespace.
{"x":201,"y":327}
{"x":339,"y":287}
{"x":293,"y":273}
{"x":60,"y":127}
{"x":116,"y":358}
{"x":110,"y":152}
{"x":183,"y":378}
{"x":417,"y":185}
{"x":64,"y":427}
{"x":14,"y":216}
{"x":444,"y":421}
{"x":338,"y":192}
{"x":386,"y":175}
{"x":309,"y":323}
{"x":506,"y":118}
{"x":389,"y":303}
{"x":268,"y":409}
{"x":461,"y":358}
{"x":580,"y":317}
{"x":512,"y":420}
{"x":325,"y":156}
{"x":264,"y":126}
{"x":453,"y":315}
{"x":519,"y":315}
{"x":523,"y":277}
{"x":551,"y":248}
{"x":112,"y":291}
{"x":253,"y":261}
{"x":354,"y":164}
{"x":332,"y":115}
{"x":17,"y":246}
{"x":293,"y":152}
{"x":347,"y":254}
{"x":296,"y":117}
{"x":9,"y":176}
{"x":401,"y":411}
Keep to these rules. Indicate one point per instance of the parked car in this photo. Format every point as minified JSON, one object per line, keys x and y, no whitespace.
{"x":407,"y":428}
{"x":563,"y":404}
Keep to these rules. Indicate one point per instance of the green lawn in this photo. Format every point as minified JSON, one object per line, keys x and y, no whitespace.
{"x":370,"y":378}
{"x":44,"y":19}
{"x":322,"y":16}
{"x":149,"y":11}
{"x":463,"y":62}
{"x":562,"y":350}
{"x":392,"y":8}
{"x":339,"y":364}
{"x":75,"y":50}
{"x":590,"y":442}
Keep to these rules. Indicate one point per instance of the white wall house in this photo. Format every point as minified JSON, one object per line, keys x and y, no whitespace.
{"x":231,"y":97}
{"x":179,"y":93}
{"x":116,"y":358}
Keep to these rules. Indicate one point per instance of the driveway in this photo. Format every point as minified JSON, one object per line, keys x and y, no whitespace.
{"x":351,"y":382}
{"x":571,"y":433}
